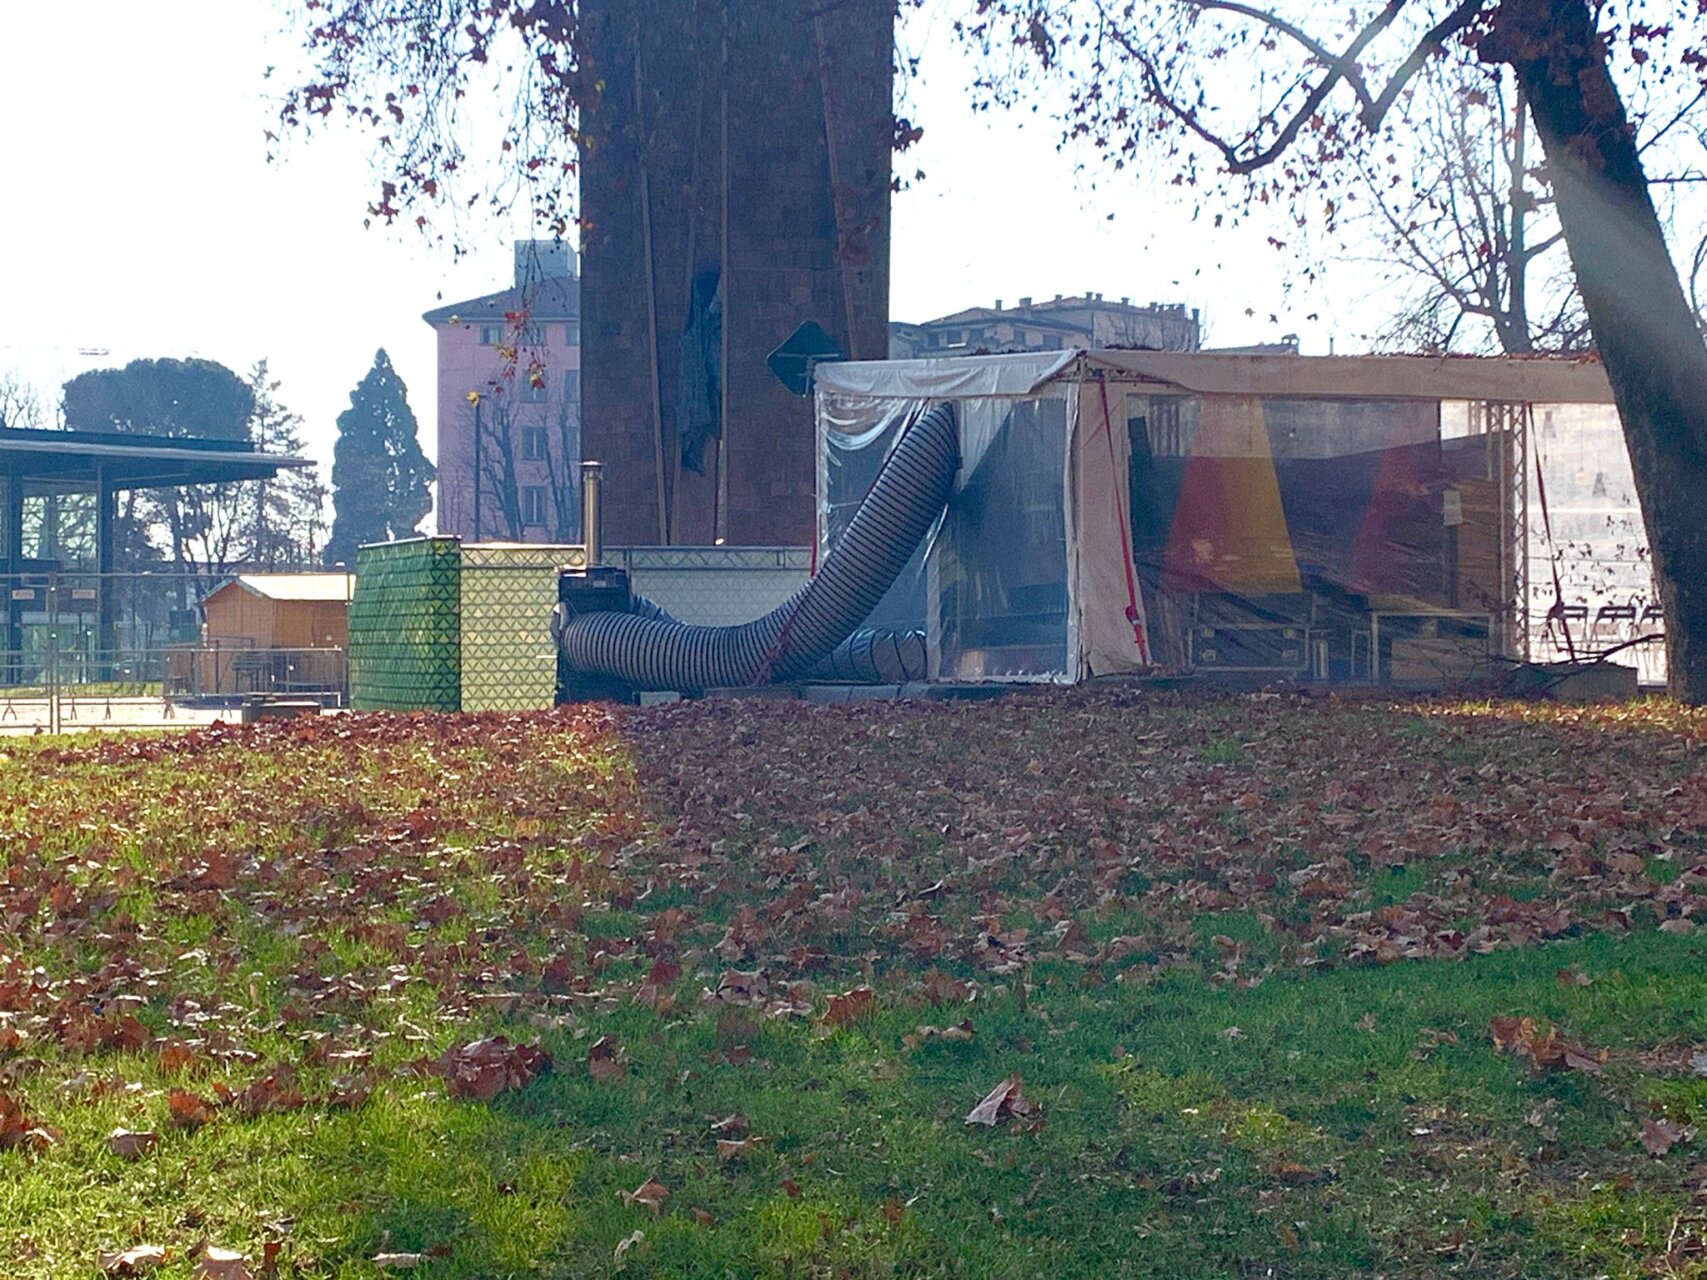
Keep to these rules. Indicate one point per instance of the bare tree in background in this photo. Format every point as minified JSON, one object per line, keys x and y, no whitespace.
{"x":20,"y":404}
{"x":1280,"y":104}
{"x":1472,"y":248}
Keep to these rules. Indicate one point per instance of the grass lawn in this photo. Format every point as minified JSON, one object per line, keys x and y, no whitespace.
{"x":1259,"y":964}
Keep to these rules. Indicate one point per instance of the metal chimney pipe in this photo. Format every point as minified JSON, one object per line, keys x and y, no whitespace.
{"x":592,"y":518}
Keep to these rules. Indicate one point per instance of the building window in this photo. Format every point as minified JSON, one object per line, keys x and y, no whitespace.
{"x":533,"y":504}
{"x":533,"y":393}
{"x":572,"y":386}
{"x":572,"y":334}
{"x":498,"y":335}
{"x":533,"y":444}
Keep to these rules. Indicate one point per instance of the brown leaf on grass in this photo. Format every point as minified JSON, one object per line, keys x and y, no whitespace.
{"x":187,"y":1110}
{"x":217,"y":871}
{"x":606,"y":1059}
{"x":734,"y":1122}
{"x":275,"y":1091}
{"x":894,"y":1210}
{"x":849,"y":1007}
{"x":558,"y":976}
{"x":20,"y":1130}
{"x":655,"y":993}
{"x":1572,"y":978}
{"x":1543,"y":1046}
{"x":960,"y":1032}
{"x":1660,"y":1136}
{"x":650,"y":1194}
{"x":740,"y":986}
{"x":175,"y":1055}
{"x":791,"y":1187}
{"x":126,"y":1032}
{"x":350,"y":1093}
{"x":482,"y":1069}
{"x":131,"y":1144}
{"x":1005,"y":1100}
{"x":131,"y":1262}
{"x":222,"y":1264}
{"x":735,"y":1148}
{"x":701,"y":1216}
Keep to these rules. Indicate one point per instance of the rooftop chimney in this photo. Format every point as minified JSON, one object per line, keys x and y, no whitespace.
{"x":1125,"y":300}
{"x":543,"y":260}
{"x":998,"y":304}
{"x":1025,"y":304}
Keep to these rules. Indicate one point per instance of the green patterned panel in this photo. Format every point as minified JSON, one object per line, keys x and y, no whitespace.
{"x":405,"y":646}
{"x":508,"y":662}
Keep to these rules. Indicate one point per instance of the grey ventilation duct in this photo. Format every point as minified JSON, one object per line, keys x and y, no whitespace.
{"x":817,"y":625}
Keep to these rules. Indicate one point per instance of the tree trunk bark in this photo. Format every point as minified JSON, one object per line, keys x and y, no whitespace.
{"x":1652,"y":350}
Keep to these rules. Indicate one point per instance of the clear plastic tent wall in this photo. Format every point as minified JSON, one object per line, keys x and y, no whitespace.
{"x":1365,"y":518}
{"x":990,"y":587}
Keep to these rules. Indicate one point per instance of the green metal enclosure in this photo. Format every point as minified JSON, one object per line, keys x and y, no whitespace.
{"x":439,"y":626}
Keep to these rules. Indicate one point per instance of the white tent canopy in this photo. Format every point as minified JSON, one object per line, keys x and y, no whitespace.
{"x":1327,"y":487}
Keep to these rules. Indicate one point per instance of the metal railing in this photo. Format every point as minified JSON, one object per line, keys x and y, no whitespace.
{"x":87,"y":650}
{"x":53,"y":691}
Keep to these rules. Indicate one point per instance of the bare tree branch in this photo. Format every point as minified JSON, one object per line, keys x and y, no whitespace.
{"x":1460,"y":17}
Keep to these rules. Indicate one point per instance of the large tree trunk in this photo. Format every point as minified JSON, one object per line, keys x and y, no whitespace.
{"x":1647,"y":336}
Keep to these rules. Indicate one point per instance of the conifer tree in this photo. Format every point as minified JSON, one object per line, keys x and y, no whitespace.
{"x":379,"y":474}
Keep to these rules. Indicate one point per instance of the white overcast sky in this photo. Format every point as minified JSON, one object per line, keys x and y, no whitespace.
{"x":142,"y":218}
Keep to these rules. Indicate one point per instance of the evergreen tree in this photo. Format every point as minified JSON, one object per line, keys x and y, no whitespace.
{"x":379,"y":474}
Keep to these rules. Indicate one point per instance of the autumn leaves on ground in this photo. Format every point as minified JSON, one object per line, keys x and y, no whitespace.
{"x":1070,"y":984}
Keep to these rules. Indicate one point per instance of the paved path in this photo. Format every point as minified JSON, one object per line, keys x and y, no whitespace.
{"x":34,"y":715}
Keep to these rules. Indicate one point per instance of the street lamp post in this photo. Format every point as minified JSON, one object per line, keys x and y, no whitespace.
{"x":474,"y":399}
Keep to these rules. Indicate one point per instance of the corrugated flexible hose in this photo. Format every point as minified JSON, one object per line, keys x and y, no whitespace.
{"x":650,"y":650}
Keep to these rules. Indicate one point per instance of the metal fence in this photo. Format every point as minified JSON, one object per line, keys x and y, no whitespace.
{"x":51,"y":691}
{"x":86,"y":650}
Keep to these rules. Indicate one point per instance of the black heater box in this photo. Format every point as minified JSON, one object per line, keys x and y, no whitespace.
{"x":598,"y":590}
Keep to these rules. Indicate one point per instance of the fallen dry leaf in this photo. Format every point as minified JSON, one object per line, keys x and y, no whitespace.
{"x":1542,"y":1044}
{"x":734,"y":1122}
{"x":222,"y":1264}
{"x":606,"y":1060}
{"x":187,"y":1110}
{"x":628,"y":1242}
{"x":650,"y":1194}
{"x":132,"y":1262}
{"x":734,"y":1148}
{"x":1006,"y":1099}
{"x":849,"y":1007}
{"x":131,"y":1144}
{"x":482,"y":1069}
{"x":1660,"y":1136}
{"x":961,"y":1031}
{"x":20,"y":1130}
{"x":175,"y":1055}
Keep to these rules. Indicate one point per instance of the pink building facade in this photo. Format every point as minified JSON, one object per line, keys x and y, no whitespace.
{"x":509,"y":405}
